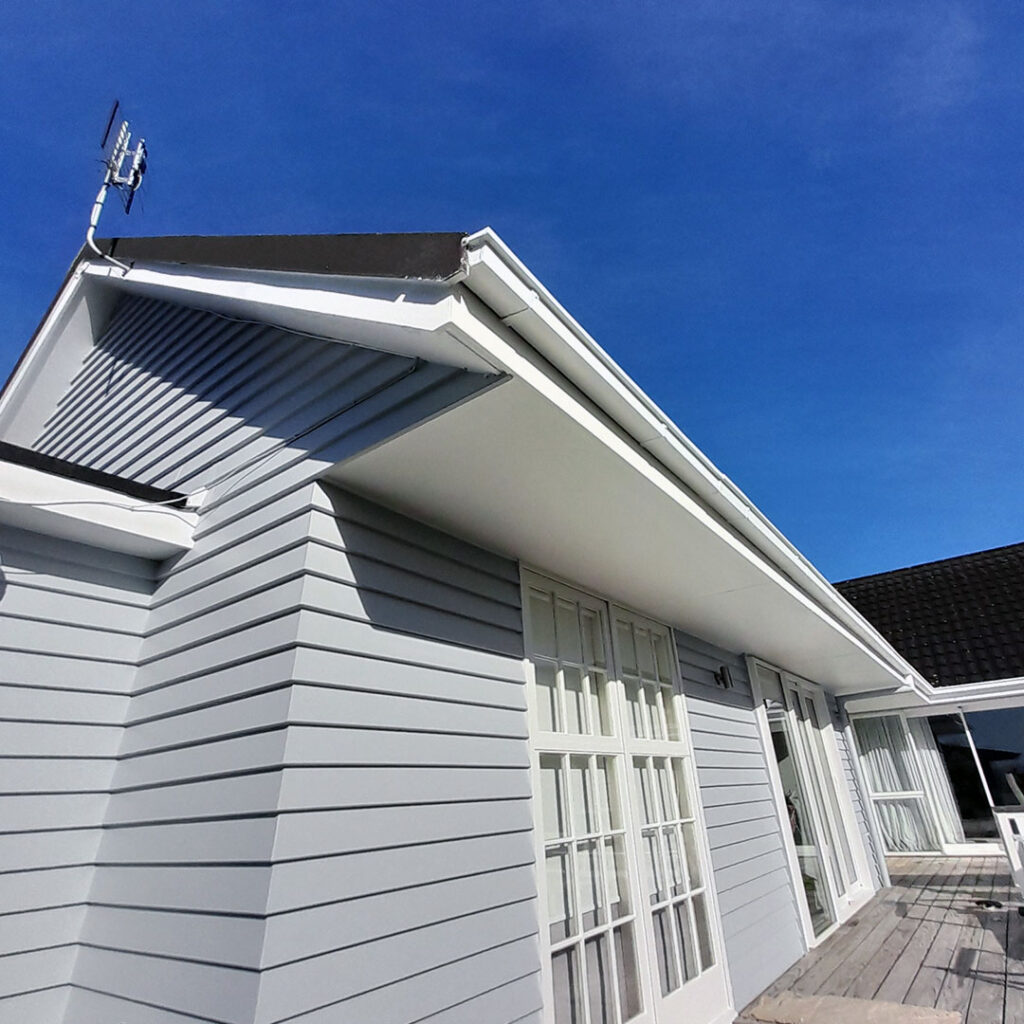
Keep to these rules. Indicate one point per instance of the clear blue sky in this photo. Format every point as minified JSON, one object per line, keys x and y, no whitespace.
{"x":799,"y":226}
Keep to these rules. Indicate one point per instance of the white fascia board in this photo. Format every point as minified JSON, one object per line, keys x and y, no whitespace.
{"x":403,"y":317}
{"x":501,"y":280}
{"x":56,"y":506}
{"x":988,"y":695}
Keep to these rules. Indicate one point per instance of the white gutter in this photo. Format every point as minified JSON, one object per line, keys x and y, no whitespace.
{"x":508,"y":287}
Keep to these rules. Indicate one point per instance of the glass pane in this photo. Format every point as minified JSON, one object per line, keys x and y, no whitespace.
{"x":558,"y":866}
{"x":600,"y":712}
{"x":682,"y":788}
{"x":646,"y":790}
{"x":600,"y":993}
{"x":592,"y":909}
{"x":884,"y":754}
{"x":542,"y":624}
{"x":655,"y":871}
{"x":692,"y":856}
{"x":906,"y":828}
{"x":617,"y":874}
{"x":676,"y":874}
{"x":636,"y":711}
{"x":666,"y":798}
{"x":645,"y":654}
{"x":663,"y":657}
{"x":627,"y":652}
{"x":669,"y":704}
{"x":609,"y":814}
{"x":700,"y":914}
{"x":575,"y":701}
{"x":625,"y":967}
{"x":684,"y":929}
{"x":665,"y":951}
{"x":569,"y":647}
{"x":593,"y":637}
{"x":549,"y":713}
{"x":565,"y":973}
{"x":581,"y":798}
{"x":552,"y":796}
{"x":654,"y":728}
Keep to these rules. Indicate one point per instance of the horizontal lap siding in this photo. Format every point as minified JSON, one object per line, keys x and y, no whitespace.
{"x":184,"y":399}
{"x":851,"y":777}
{"x":760,"y":919}
{"x":403,"y":883}
{"x":71,"y":621}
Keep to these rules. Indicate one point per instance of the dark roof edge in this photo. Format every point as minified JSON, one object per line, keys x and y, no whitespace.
{"x":19,"y":456}
{"x":423,"y":256}
{"x":929,"y":565}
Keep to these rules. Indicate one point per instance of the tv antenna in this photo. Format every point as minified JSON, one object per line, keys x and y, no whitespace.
{"x":123,"y":171}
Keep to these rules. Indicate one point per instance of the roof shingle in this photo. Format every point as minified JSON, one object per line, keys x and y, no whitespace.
{"x":959,"y":620}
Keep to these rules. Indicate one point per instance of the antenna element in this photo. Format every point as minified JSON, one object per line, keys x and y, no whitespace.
{"x":124,"y":169}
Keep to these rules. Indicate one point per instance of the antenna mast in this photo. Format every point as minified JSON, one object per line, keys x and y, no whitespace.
{"x":124,"y":169}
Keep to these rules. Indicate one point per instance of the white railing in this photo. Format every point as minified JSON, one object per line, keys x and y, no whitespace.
{"x":1010,"y":822}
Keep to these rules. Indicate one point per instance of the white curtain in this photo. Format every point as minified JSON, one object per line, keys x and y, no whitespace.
{"x":883,"y":750}
{"x":889,"y":765}
{"x":905,"y":827}
{"x":936,"y":782}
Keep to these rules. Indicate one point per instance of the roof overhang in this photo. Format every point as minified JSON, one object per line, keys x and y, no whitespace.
{"x":568,"y":466}
{"x":57,"y":506}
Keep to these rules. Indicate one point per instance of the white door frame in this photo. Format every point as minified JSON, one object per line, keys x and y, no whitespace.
{"x":845,"y":903}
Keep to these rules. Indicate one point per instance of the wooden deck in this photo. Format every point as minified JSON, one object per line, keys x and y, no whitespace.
{"x":926,"y":942}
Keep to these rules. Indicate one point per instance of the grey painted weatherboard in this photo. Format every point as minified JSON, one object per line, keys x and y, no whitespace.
{"x":760,"y":917}
{"x":403,"y":884}
{"x":71,"y":620}
{"x":255,"y":415}
{"x":853,"y":780}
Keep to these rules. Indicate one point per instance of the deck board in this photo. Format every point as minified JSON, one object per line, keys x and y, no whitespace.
{"x":924,"y":941}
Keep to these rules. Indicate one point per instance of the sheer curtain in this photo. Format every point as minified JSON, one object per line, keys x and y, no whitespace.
{"x":887,"y":759}
{"x":936,"y":782}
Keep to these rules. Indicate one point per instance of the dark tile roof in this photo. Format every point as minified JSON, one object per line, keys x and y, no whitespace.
{"x":960,"y":620}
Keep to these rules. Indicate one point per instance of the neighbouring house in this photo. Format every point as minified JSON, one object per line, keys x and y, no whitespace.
{"x":374,"y":650}
{"x":936,"y":764}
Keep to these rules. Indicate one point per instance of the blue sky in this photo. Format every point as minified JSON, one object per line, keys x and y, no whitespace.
{"x":799,"y":226}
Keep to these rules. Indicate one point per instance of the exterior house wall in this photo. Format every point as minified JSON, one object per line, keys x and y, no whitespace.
{"x":185,"y":399}
{"x":760,"y":919}
{"x":852,"y":778}
{"x":403,"y":882}
{"x":72,"y":619}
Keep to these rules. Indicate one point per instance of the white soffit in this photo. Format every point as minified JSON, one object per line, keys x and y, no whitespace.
{"x":58,"y":507}
{"x":520,"y":474}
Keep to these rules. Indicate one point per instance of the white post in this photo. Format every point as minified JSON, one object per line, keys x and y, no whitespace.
{"x":977,"y":760}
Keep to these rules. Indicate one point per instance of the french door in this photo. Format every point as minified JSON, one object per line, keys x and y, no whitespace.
{"x":630,"y":931}
{"x":831,"y":871}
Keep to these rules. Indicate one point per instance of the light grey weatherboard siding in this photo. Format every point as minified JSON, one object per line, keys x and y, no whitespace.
{"x":760,"y":918}
{"x":211,"y":779}
{"x":853,"y":780}
{"x":403,"y":884}
{"x":71,"y":621}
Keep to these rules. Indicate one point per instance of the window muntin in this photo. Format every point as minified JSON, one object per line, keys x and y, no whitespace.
{"x":673,"y":873}
{"x":610,"y":736}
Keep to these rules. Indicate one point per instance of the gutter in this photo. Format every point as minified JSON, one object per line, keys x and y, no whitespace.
{"x":519,"y":299}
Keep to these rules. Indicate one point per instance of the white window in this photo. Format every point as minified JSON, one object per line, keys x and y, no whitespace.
{"x":630,"y":933}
